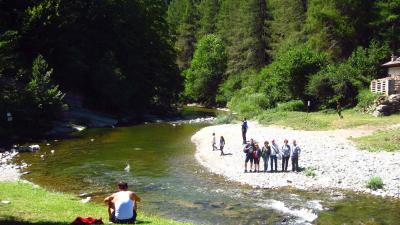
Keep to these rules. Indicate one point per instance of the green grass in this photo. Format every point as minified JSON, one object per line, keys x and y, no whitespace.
{"x":380,"y":141}
{"x":374,"y":183}
{"x":323,"y":120}
{"x":34,"y":205}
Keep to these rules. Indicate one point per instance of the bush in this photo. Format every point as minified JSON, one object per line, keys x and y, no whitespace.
{"x":342,"y":82}
{"x":375,"y":183}
{"x":294,"y":105}
{"x":366,"y":101}
{"x":232,"y":84}
{"x":309,"y":172}
{"x":285,"y":78}
{"x":247,"y":103}
{"x":225,"y":118}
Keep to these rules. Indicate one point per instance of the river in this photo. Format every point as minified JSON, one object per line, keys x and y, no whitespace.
{"x":164,"y":172}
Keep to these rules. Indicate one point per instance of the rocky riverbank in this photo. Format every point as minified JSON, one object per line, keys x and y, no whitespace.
{"x":8,"y":170}
{"x":336,"y":163}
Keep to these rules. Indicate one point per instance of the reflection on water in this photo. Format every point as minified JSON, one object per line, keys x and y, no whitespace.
{"x":164,"y":173}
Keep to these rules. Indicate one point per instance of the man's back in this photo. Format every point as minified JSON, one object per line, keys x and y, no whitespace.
{"x":124,"y":205}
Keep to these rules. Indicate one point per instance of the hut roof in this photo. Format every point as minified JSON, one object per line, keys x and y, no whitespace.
{"x":395,"y":62}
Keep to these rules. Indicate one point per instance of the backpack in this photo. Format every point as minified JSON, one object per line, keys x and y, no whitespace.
{"x":256,"y":154}
{"x":88,"y":220}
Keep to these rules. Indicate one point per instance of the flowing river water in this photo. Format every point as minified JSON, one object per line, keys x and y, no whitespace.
{"x":164,"y":172}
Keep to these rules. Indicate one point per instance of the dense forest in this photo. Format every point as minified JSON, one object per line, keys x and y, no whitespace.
{"x":282,"y":52}
{"x":118,"y":55}
{"x":125,"y":56}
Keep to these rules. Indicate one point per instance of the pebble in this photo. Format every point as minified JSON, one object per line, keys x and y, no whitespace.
{"x":337,"y":162}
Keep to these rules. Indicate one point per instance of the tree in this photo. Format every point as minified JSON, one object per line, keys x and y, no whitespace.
{"x":206,"y":70}
{"x":339,"y":26}
{"x":387,"y":22}
{"x":286,"y":78}
{"x":241,"y":27}
{"x":182,"y":16}
{"x":45,"y":98}
{"x":285,"y":24}
{"x":208,"y":12}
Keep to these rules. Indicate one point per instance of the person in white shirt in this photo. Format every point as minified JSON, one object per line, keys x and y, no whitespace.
{"x":274,"y":155}
{"x":295,"y":156}
{"x":122,"y":205}
{"x":214,"y":143}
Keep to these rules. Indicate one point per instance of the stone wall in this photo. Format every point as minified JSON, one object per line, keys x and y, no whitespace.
{"x":387,"y":105}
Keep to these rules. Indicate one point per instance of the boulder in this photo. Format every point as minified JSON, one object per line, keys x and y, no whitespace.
{"x":386,"y":105}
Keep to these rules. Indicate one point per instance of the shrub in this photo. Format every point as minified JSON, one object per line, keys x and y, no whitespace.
{"x":232,"y":84}
{"x":247,"y":103}
{"x":294,"y":105}
{"x":286,"y":77}
{"x":309,"y":172}
{"x":225,"y":118}
{"x":375,"y":183}
{"x":365,"y":101}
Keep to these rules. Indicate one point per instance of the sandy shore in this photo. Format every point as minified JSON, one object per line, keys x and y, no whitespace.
{"x":337,"y":162}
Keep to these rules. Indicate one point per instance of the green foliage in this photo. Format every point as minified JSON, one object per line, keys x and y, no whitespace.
{"x":33,"y":105}
{"x":309,"y":172}
{"x":208,"y":12}
{"x":182,"y":17}
{"x":374,"y":183}
{"x":337,"y":26}
{"x":386,"y":23}
{"x":294,"y":105}
{"x":206,"y":70}
{"x":233,"y":83}
{"x":225,"y":118}
{"x":365,"y":101}
{"x":45,"y":98}
{"x":285,"y":79}
{"x":285,"y":25}
{"x":121,"y":61}
{"x":248,"y":103}
{"x":240,"y":24}
{"x":341,"y":83}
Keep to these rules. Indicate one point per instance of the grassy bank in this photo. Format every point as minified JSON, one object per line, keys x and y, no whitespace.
{"x":324,"y":120}
{"x":318,"y":120}
{"x":380,"y":141}
{"x":34,"y":205}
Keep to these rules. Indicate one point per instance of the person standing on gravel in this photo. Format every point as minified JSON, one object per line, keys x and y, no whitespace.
{"x":214,"y":142}
{"x":248,"y":150}
{"x":265,"y":153}
{"x":222,"y":144}
{"x":285,"y":155}
{"x":274,"y":155}
{"x":244,"y":130}
{"x":295,"y":157}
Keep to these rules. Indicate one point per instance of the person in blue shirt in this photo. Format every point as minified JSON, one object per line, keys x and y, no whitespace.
{"x":244,"y":130}
{"x":285,"y":155}
{"x":295,"y":157}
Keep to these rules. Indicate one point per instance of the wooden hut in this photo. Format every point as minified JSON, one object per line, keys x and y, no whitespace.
{"x":389,"y":85}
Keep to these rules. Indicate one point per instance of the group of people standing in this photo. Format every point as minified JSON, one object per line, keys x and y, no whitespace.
{"x":269,"y":153}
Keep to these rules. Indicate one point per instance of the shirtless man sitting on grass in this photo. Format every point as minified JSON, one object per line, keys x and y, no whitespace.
{"x":122,"y":205}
